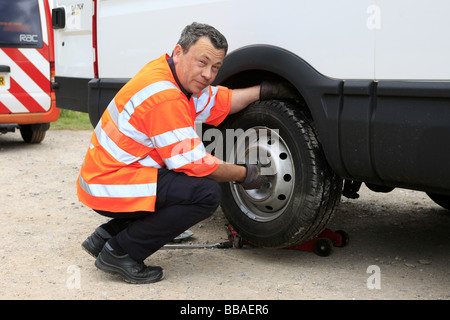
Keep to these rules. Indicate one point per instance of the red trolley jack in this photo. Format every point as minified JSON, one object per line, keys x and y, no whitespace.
{"x":322,"y":245}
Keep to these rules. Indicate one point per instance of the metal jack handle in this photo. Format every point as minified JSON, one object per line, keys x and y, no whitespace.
{"x":220,"y":245}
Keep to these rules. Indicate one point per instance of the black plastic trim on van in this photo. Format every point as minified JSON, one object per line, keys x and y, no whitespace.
{"x":58,"y":18}
{"x":100,"y":94}
{"x":5,"y":69}
{"x":86,"y":95}
{"x":72,"y":93}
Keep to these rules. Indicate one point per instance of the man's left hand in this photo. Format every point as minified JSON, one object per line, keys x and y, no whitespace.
{"x":277,"y":90}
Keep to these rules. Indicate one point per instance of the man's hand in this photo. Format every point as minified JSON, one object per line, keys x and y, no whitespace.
{"x":241,"y":98}
{"x":253,"y":178}
{"x":277,"y":90}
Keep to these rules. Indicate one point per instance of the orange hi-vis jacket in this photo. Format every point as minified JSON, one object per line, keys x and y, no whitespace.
{"x":150,"y":124}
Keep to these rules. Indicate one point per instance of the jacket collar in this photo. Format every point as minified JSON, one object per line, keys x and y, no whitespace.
{"x":172,"y":68}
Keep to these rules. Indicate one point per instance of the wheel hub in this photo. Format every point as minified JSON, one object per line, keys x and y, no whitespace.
{"x":266,"y":147}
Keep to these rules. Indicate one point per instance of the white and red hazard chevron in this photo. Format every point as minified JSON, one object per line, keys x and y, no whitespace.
{"x":27,"y":86}
{"x":29,"y":81}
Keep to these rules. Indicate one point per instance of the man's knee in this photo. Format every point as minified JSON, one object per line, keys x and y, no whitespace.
{"x":178,"y":188}
{"x":212,"y":191}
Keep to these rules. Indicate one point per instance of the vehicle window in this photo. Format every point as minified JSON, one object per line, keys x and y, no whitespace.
{"x":20,"y":24}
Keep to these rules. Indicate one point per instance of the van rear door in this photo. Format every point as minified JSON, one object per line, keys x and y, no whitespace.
{"x":75,"y":51}
{"x":25,"y":56}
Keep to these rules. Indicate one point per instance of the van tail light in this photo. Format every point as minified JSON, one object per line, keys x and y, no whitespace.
{"x":53,"y":84}
{"x":52,"y":74}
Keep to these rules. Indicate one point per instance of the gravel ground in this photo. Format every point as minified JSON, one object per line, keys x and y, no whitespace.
{"x":398,"y":249}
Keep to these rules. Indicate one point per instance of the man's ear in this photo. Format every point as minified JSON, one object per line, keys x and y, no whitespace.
{"x":177,"y":52}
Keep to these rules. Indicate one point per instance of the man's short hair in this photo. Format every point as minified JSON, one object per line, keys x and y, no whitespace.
{"x":195,"y":31}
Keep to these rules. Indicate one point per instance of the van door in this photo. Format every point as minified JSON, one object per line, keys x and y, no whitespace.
{"x":74,"y":51}
{"x":25,"y":85}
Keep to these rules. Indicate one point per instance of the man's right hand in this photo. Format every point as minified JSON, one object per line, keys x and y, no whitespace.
{"x":253,"y":178}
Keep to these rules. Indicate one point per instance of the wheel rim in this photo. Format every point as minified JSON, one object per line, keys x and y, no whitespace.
{"x":268,"y":148}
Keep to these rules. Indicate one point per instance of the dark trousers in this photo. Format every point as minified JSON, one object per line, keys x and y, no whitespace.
{"x":181,"y":202}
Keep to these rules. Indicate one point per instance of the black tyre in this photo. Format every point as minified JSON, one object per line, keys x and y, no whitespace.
{"x":441,"y":199}
{"x":302,"y":192}
{"x":323,"y":247}
{"x":345,"y":239}
{"x":34,"y":133}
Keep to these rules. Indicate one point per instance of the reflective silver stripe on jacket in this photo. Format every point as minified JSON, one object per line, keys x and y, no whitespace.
{"x":119,"y":191}
{"x":180,"y":158}
{"x":121,"y":120}
{"x":205,"y":103}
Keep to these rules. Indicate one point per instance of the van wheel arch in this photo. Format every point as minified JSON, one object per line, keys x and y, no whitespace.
{"x":253,"y":64}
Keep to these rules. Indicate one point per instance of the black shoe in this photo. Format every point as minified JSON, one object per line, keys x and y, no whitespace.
{"x":95,"y":242}
{"x":130,"y":270}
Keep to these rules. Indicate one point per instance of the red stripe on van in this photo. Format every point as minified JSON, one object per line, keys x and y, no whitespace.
{"x":21,"y":95}
{"x":29,"y":68}
{"x":44,"y":51}
{"x":3,"y":108}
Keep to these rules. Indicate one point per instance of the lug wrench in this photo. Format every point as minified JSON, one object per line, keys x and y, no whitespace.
{"x":220,"y":245}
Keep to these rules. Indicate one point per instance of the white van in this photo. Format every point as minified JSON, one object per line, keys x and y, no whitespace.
{"x":27,"y":100}
{"x":373,"y":82}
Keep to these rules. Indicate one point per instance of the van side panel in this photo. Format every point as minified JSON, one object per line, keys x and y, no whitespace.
{"x":411,"y":40}
{"x":133,"y":32}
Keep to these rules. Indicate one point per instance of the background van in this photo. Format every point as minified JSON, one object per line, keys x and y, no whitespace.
{"x":26,"y":68}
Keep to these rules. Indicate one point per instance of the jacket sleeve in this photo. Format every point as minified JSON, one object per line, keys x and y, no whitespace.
{"x":173,"y":135}
{"x":213,"y":105}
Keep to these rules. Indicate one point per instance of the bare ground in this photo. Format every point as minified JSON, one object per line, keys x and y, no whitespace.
{"x":398,"y":249}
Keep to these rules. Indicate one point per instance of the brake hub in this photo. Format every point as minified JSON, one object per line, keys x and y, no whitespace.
{"x":266,"y":147}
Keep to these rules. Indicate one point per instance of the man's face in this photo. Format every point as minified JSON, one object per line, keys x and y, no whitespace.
{"x":197,"y":68}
